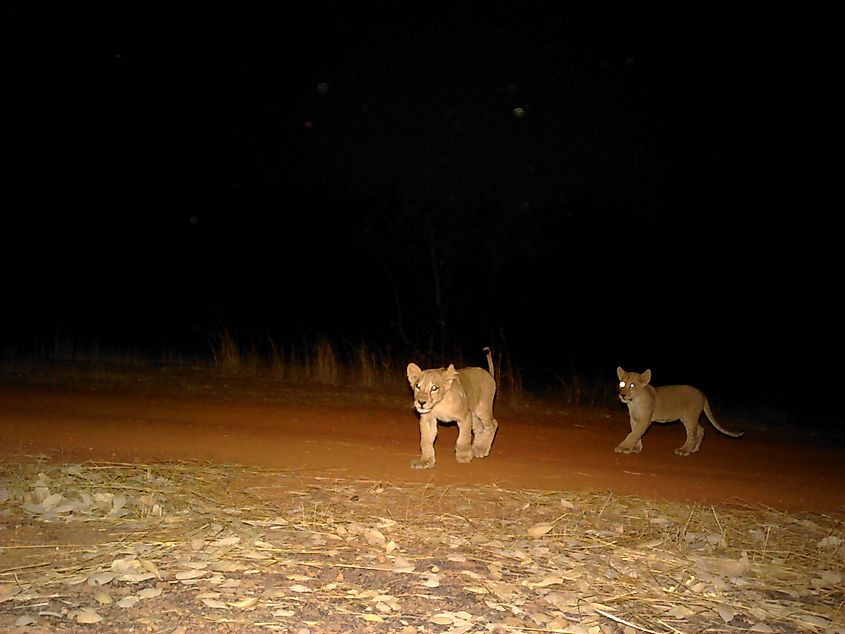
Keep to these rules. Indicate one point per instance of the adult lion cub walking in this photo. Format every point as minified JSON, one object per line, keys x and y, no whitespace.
{"x":465,"y":396}
{"x":647,"y":404}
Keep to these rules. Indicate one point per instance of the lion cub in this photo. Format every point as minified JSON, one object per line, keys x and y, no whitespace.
{"x":465,"y":396}
{"x":647,"y":404}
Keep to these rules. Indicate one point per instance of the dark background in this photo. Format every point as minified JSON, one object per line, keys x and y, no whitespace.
{"x":362,"y":173}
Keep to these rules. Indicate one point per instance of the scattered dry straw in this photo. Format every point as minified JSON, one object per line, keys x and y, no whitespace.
{"x":189,"y":545}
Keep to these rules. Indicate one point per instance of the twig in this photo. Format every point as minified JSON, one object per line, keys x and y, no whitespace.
{"x":718,"y":523}
{"x":624,"y":622}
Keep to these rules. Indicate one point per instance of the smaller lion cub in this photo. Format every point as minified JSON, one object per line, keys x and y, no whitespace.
{"x":464,"y":396}
{"x":647,"y":404}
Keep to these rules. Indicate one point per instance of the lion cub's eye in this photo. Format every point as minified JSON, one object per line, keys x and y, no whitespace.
{"x":631,"y":386}
{"x":417,"y":386}
{"x":621,"y":383}
{"x":434,"y":388}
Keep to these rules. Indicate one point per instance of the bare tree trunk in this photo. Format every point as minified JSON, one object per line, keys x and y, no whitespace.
{"x":439,"y":303}
{"x":399,"y":324}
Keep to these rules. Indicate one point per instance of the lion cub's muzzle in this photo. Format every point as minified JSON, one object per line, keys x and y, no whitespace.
{"x":422,"y":407}
{"x":625,"y":398}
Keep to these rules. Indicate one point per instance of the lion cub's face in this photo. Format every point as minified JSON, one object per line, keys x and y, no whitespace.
{"x":631,"y":384}
{"x":429,"y":385}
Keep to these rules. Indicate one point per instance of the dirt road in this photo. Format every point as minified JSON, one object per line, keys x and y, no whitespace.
{"x":376,"y":437}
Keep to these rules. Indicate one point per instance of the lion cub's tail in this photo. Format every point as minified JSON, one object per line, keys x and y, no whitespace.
{"x":489,"y":354}
{"x":727,"y":432}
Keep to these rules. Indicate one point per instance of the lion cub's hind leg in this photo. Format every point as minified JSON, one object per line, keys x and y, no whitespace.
{"x":463,"y":447}
{"x":484,"y":431}
{"x":695,"y":434}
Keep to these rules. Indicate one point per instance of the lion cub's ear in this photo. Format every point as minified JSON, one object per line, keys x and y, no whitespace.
{"x":414,"y":372}
{"x":646,"y":376}
{"x":620,"y":372}
{"x":450,"y":374}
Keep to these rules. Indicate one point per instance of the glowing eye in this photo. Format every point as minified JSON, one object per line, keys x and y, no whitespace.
{"x":621,"y":383}
{"x":434,"y":388}
{"x":631,"y":386}
{"x":417,"y":386}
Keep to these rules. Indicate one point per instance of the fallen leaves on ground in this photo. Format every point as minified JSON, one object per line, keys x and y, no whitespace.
{"x":121,"y":546}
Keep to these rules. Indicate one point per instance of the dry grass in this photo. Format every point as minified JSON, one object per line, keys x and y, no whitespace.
{"x":231,"y":548}
{"x":311,"y":360}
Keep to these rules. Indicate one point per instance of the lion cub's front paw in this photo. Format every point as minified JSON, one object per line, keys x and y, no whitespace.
{"x":464,"y":456}
{"x":683,"y":451}
{"x":423,"y":464}
{"x":480,"y":452}
{"x":623,"y":449}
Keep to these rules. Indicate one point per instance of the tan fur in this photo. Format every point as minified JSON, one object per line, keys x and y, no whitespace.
{"x":664,"y":404}
{"x":464,"y":396}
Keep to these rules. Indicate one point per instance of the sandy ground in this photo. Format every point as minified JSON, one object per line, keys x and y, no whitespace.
{"x":372,"y":435}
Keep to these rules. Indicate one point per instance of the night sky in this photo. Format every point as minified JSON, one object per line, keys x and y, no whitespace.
{"x":589,"y":195}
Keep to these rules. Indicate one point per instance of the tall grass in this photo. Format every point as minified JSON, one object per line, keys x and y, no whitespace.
{"x":319,"y":360}
{"x":310,"y":360}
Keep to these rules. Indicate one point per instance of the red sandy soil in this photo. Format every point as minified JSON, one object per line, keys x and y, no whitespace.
{"x":373,"y":435}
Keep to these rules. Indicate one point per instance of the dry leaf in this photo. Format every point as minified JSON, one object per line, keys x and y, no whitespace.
{"x":725,"y":567}
{"x":502,"y":590}
{"x":118,"y":502}
{"x":544,"y":582}
{"x":726,"y":612}
{"x":191,"y":574}
{"x":831,"y":578}
{"x":101,"y":578}
{"x":374,"y":536}
{"x":149,"y":593}
{"x":149,"y":566}
{"x":75,"y":580}
{"x":136,"y":577}
{"x":87,"y":615}
{"x":196,"y":565}
{"x":679,"y":612}
{"x":216,"y":604}
{"x":51,"y":500}
{"x":814,"y":620}
{"x":126,"y":565}
{"x":102,"y":597}
{"x":442,"y":619}
{"x":242,"y":604}
{"x":400,"y":564}
{"x":538,"y":530}
{"x":230,"y":583}
{"x":128,"y":602}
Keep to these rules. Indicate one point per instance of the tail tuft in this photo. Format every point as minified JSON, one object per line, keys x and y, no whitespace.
{"x":489,"y":354}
